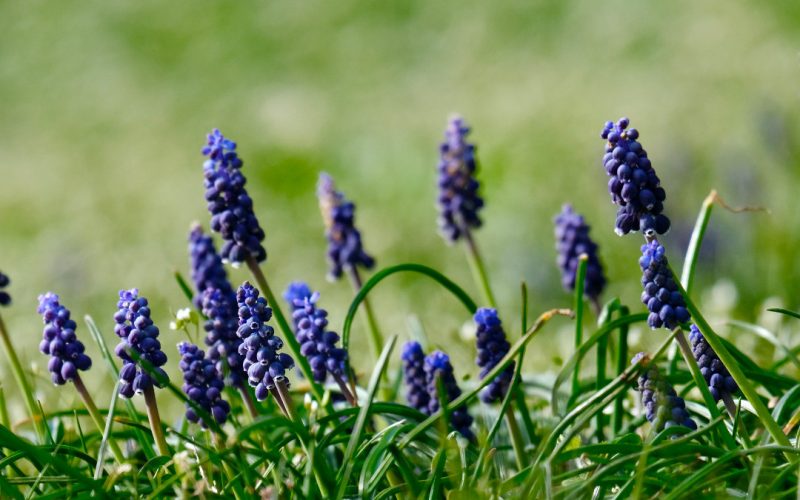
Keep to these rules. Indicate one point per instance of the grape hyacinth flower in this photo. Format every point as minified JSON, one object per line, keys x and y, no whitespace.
{"x":492,"y":347}
{"x":345,"y":250}
{"x":664,"y":301}
{"x":413,"y":358}
{"x":720,"y":382}
{"x":634,"y":185}
{"x":59,"y":342}
{"x":138,"y":334}
{"x":458,"y":197}
{"x":221,"y":309}
{"x":202,"y":383}
{"x":262,"y":361}
{"x":5,"y":298}
{"x":663,"y":407}
{"x":230,"y":206}
{"x":437,"y":366}
{"x":295,"y":295}
{"x":572,"y":240}
{"x":206,"y":265}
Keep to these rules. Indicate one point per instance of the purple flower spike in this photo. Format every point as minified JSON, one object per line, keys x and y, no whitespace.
{"x":663,"y":407}
{"x":5,"y":298}
{"x":66,"y":351}
{"x":634,"y":185}
{"x":295,"y":295}
{"x":664,"y":301}
{"x":139,"y":334}
{"x":221,"y":309}
{"x":719,"y":380}
{"x":345,"y":249}
{"x":572,"y":240}
{"x":458,"y":200}
{"x":262,"y":361}
{"x":230,"y":206}
{"x":437,"y":365}
{"x":492,"y":347}
{"x":413,"y":358}
{"x":206,"y":265}
{"x":202,"y":383}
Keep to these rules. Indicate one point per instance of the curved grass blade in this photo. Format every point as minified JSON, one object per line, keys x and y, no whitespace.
{"x":787,"y":312}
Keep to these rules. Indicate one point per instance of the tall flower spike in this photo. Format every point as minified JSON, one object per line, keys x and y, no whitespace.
{"x":5,"y":298}
{"x":492,"y":347}
{"x":572,"y":240}
{"x":223,"y":343}
{"x":345,"y":249}
{"x":59,"y":342}
{"x":317,"y":344}
{"x":437,"y":365}
{"x":663,"y":407}
{"x":719,"y":380}
{"x":262,"y":361}
{"x":664,"y":301}
{"x":634,"y":185}
{"x":230,"y":206}
{"x":206,"y":265}
{"x":202,"y":383}
{"x":458,"y":200}
{"x":413,"y":358}
{"x":139,"y":334}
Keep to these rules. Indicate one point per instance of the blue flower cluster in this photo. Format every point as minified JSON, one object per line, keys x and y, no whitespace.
{"x":5,"y":298}
{"x":230,"y":206}
{"x":295,"y":296}
{"x":492,"y":347}
{"x":664,"y":301}
{"x":663,"y":407}
{"x":262,"y":361}
{"x":719,"y":380}
{"x":202,"y":383}
{"x":66,"y":351}
{"x":458,"y":199}
{"x":572,"y":240}
{"x":222,"y":340}
{"x":413,"y":358}
{"x":345,"y":249}
{"x":139,"y":334}
{"x":437,"y":366}
{"x":634,"y":185}
{"x":206,"y":265}
{"x":317,"y":344}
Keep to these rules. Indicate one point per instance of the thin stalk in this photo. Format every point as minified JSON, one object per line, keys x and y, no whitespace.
{"x":95,"y":414}
{"x":247,"y":398}
{"x":4,"y":419}
{"x":22,"y":382}
{"x":348,"y":395}
{"x":286,"y":398}
{"x":516,"y":436}
{"x":580,"y":279}
{"x":477,"y":267}
{"x":279,"y":401}
{"x":602,"y":355}
{"x":730,"y":405}
{"x":155,"y":421}
{"x":622,"y":364}
{"x":375,"y":337}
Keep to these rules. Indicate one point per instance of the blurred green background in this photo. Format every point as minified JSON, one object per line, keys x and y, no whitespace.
{"x":105,"y":106}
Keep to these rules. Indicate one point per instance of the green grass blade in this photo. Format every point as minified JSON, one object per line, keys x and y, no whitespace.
{"x":696,"y":240}
{"x":107,"y":431}
{"x":580,"y":278}
{"x":787,"y":312}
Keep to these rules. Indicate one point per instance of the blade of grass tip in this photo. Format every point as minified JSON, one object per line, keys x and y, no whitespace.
{"x":787,"y":312}
{"x":768,"y":336}
{"x":741,"y":380}
{"x":112,"y":407}
{"x":363,"y":414}
{"x":583,"y":260}
{"x":184,"y":286}
{"x":478,"y":268}
{"x":22,"y":381}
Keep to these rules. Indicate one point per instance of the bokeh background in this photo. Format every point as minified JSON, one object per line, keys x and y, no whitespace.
{"x":105,"y":106}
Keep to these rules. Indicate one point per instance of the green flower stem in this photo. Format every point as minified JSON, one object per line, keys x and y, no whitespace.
{"x":622,"y":364}
{"x":96,"y":417}
{"x":580,"y":279}
{"x":602,"y":356}
{"x":375,"y":337}
{"x":286,"y":398}
{"x":730,"y":405}
{"x":477,"y":267}
{"x":155,"y":421}
{"x":738,"y":375}
{"x":516,"y":436}
{"x":346,"y":392}
{"x":247,"y":398}
{"x":279,"y":401}
{"x":22,"y":382}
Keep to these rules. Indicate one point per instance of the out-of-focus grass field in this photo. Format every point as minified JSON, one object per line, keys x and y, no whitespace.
{"x":105,"y":107}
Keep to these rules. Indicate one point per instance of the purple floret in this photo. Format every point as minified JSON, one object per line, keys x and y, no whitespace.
{"x":66,"y":351}
{"x":664,"y":301}
{"x":437,"y":365}
{"x":414,"y":377}
{"x":202,"y":383}
{"x":720,"y":382}
{"x":572,"y":240}
{"x":492,"y":347}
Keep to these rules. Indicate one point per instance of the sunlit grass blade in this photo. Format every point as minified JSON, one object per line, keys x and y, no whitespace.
{"x":786,"y":312}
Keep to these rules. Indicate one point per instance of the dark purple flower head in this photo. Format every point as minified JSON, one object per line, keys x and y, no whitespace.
{"x":206,"y":265}
{"x":66,"y":351}
{"x":262,"y":361}
{"x":138,"y":334}
{"x":719,"y":380}
{"x":230,"y":206}
{"x":295,"y":295}
{"x":345,"y":249}
{"x":458,"y":200}
{"x":572,"y":240}
{"x":663,"y":407}
{"x":202,"y":383}
{"x":492,"y":347}
{"x":317,"y":343}
{"x":437,"y":365}
{"x":413,"y":358}
{"x":223,"y":343}
{"x":634,"y":185}
{"x":5,"y":298}
{"x":664,"y":301}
